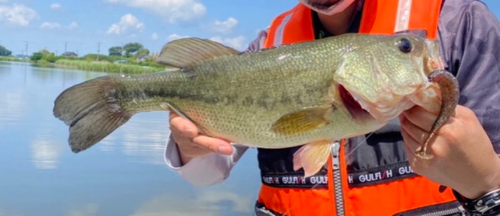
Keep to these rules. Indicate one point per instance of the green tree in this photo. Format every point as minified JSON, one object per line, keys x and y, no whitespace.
{"x":36,"y":56}
{"x":46,"y":52}
{"x":44,"y":55}
{"x":48,"y":56}
{"x":142,"y":52}
{"x":4,"y":51}
{"x":116,"y":51}
{"x":131,"y":48}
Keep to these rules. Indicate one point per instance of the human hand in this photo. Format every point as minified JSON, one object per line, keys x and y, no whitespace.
{"x":463,"y":155}
{"x":191,"y":144}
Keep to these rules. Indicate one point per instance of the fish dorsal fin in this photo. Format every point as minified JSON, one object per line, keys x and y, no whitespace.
{"x":188,"y":51}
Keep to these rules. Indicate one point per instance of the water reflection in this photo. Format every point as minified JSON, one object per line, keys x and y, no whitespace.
{"x":124,"y":174}
{"x":45,"y":74}
{"x":46,"y":153}
{"x":4,"y":69}
{"x":12,"y":107}
{"x":207,"y":203}
{"x":144,"y":137}
{"x":107,"y":144}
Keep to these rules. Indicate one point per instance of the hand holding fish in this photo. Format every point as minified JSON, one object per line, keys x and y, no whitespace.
{"x":463,"y":156}
{"x":191,"y":144}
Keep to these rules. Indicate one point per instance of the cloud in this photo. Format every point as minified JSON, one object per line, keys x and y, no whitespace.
{"x":170,"y":10}
{"x":208,"y":203}
{"x":46,"y":153}
{"x":55,"y":6}
{"x":87,"y":210}
{"x":154,"y":36}
{"x":127,"y":22}
{"x":50,"y":25}
{"x":17,"y":14}
{"x":73,"y":25}
{"x":175,"y":37}
{"x":236,"y":42}
{"x":224,"y":27}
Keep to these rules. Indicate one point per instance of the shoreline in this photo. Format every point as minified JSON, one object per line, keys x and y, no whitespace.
{"x":94,"y":66}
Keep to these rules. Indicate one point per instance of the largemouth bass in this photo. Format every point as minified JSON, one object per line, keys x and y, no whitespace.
{"x":309,"y":93}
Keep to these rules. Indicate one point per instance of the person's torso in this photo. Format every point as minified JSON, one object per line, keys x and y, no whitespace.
{"x":373,"y":171}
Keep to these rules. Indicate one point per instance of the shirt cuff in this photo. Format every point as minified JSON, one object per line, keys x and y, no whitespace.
{"x":202,"y":171}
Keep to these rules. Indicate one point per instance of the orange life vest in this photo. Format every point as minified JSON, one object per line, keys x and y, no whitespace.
{"x":386,"y":198}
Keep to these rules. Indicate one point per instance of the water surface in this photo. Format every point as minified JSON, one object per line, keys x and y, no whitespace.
{"x":122,"y":175}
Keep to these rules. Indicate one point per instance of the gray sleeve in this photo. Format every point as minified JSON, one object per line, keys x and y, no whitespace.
{"x":258,"y":43}
{"x":470,"y":36}
{"x":203,"y":171}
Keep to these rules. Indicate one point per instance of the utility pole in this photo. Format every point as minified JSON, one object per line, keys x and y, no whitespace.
{"x":98,"y":49}
{"x":26,"y":48}
{"x":65,"y":46}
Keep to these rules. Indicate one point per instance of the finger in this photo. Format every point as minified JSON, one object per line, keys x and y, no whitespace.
{"x":183,"y":126}
{"x":410,"y":152}
{"x":420,"y":117}
{"x":213,"y":144}
{"x":172,"y":115}
{"x":410,"y":135}
{"x":413,"y":131}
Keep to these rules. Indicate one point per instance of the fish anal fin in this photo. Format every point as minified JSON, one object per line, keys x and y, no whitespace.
{"x":185,"y":52}
{"x":302,"y":121}
{"x":312,"y":156}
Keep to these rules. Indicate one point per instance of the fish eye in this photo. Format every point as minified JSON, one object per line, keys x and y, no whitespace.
{"x":405,"y":45}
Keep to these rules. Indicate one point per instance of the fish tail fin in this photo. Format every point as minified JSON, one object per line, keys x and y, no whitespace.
{"x":91,"y":110}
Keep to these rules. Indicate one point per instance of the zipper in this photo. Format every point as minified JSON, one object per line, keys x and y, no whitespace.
{"x":337,"y":180}
{"x":452,"y":211}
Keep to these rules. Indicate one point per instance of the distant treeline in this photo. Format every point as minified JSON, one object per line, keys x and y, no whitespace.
{"x":131,"y":58}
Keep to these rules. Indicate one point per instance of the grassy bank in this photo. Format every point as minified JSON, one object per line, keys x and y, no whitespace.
{"x":11,"y":58}
{"x":91,"y":65}
{"x":105,"y":66}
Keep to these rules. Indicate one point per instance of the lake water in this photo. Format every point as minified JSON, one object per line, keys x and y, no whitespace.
{"x":122,"y":175}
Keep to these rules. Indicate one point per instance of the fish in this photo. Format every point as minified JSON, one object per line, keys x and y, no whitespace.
{"x":307,"y":94}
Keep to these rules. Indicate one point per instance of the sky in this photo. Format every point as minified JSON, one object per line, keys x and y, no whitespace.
{"x":93,"y":26}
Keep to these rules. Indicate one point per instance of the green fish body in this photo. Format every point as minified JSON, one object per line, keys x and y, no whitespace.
{"x":306,"y":93}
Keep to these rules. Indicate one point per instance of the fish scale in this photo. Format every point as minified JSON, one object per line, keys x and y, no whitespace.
{"x":276,"y":98}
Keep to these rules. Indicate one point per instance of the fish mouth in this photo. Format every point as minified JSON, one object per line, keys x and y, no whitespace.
{"x":351,"y":104}
{"x":382,"y":111}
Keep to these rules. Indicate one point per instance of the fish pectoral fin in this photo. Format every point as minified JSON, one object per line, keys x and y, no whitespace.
{"x":170,"y":108}
{"x":302,"y":121}
{"x":189,"y":51}
{"x":167,"y":107}
{"x":312,"y":156}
